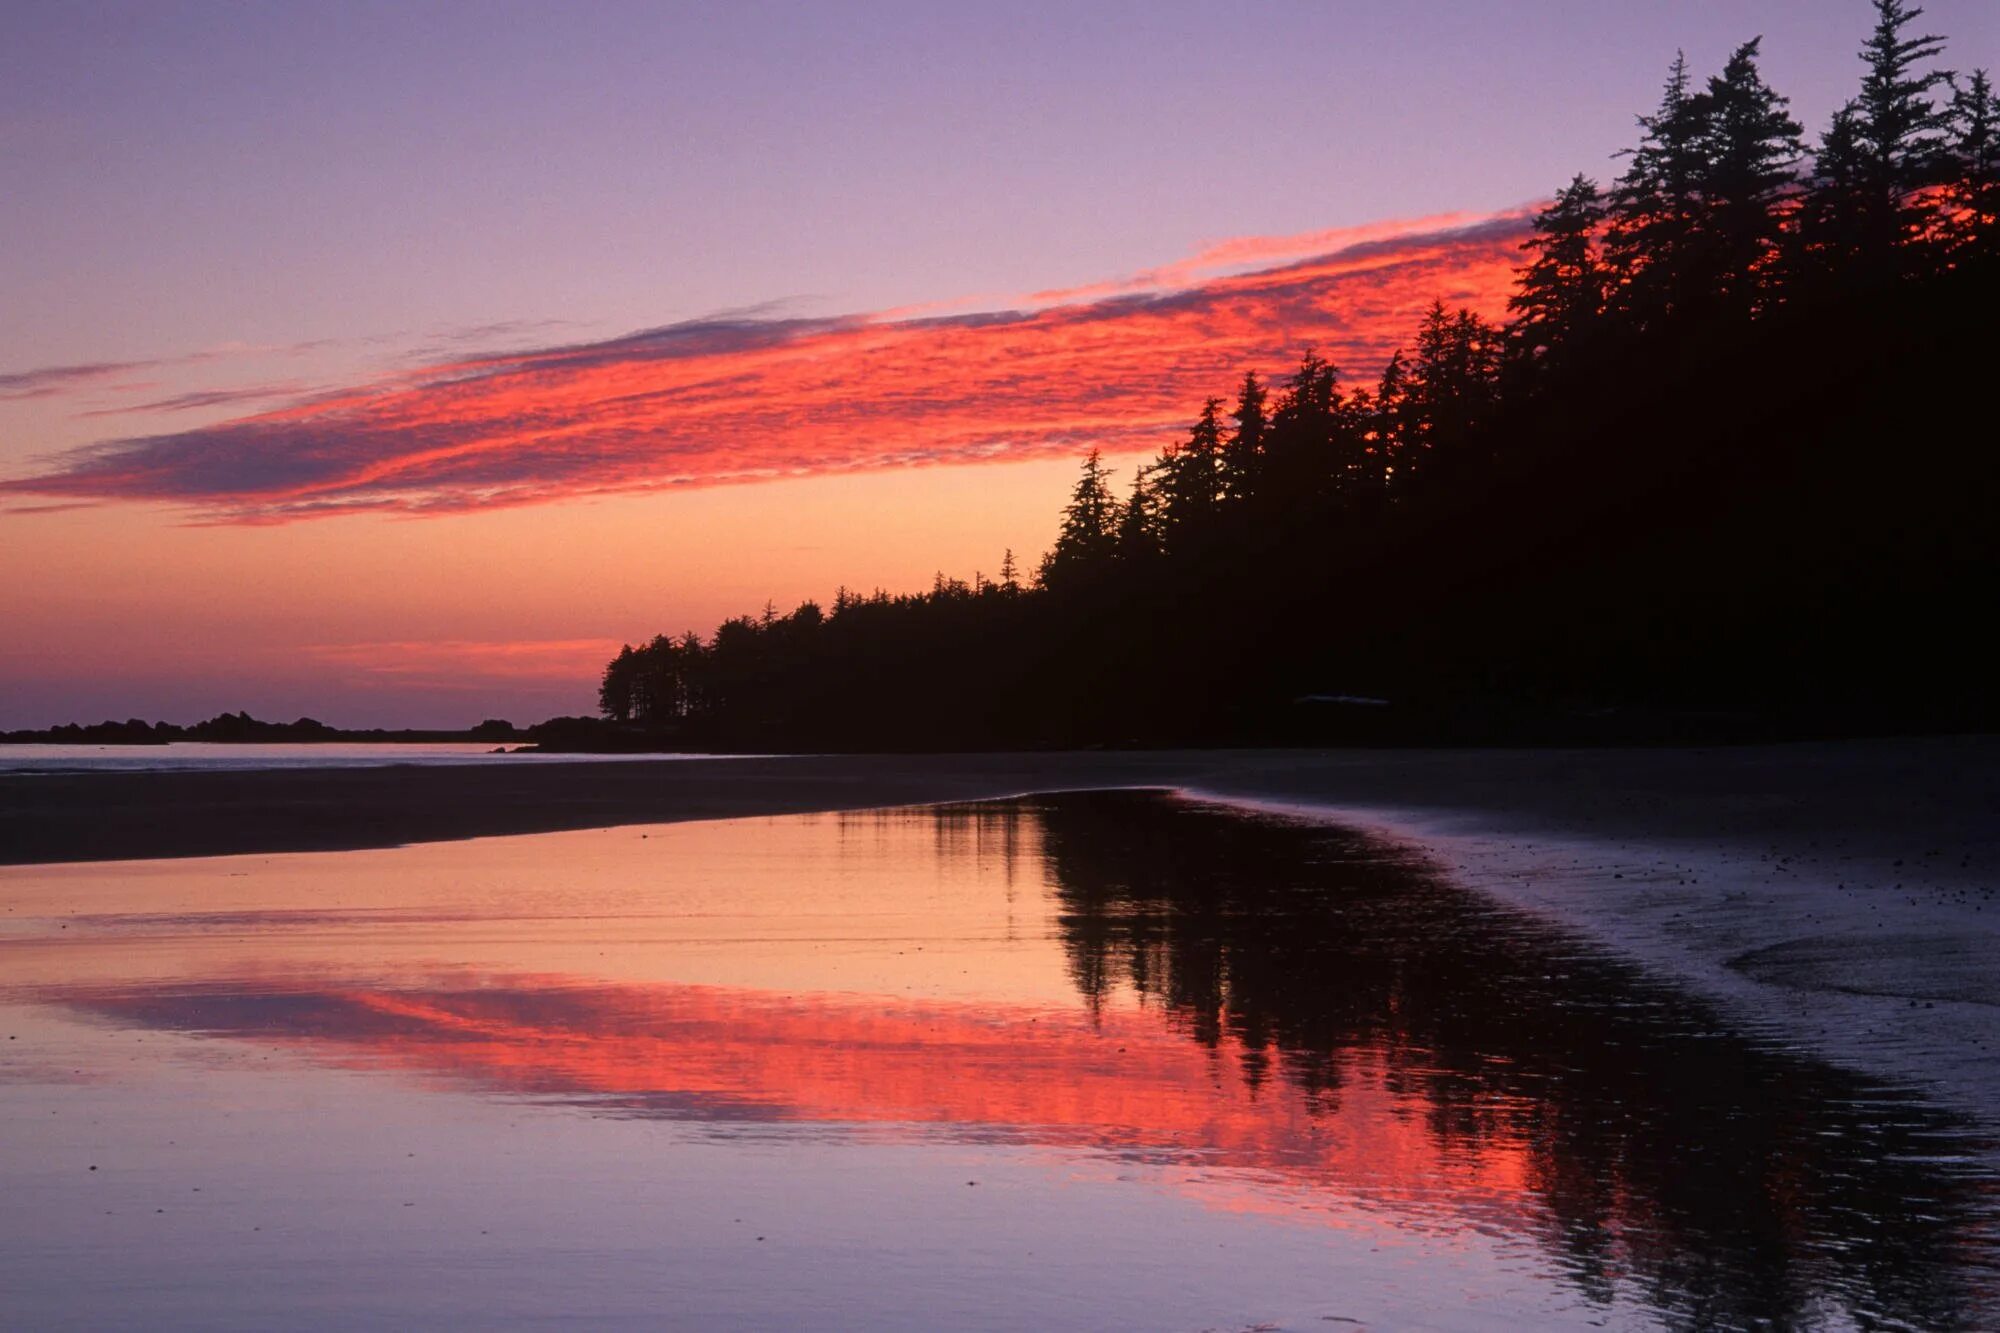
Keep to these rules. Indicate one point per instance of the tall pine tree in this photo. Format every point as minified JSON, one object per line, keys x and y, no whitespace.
{"x":1301,"y":454}
{"x":1874,"y":209}
{"x":1088,"y":539}
{"x":1656,"y":206}
{"x":1561,"y":292}
{"x":1452,"y":391}
{"x":1973,"y":198}
{"x":1190,"y":484}
{"x":1141,"y":535}
{"x":1751,"y":151}
{"x":1243,"y":452}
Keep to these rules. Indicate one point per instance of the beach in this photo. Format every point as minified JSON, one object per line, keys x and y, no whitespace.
{"x":1204,"y":1040}
{"x":1838,"y":897}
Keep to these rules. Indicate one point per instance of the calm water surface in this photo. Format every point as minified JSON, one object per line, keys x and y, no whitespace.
{"x":1107,"y":1060}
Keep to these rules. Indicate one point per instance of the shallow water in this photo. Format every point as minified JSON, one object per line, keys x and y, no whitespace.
{"x":1104,"y":1060}
{"x":196,"y":756}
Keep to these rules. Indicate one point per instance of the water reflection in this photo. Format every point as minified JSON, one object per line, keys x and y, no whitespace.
{"x":1301,"y":1019}
{"x":1734,"y":1184}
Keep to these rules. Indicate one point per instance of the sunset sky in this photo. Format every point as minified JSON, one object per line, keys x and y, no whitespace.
{"x":394,"y":363}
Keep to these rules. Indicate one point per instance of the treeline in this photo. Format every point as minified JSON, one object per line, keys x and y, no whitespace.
{"x":241,"y":728}
{"x":1728,"y":464}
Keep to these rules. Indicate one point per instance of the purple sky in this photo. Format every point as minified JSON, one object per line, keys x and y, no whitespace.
{"x":224,"y":206}
{"x":184,"y":177}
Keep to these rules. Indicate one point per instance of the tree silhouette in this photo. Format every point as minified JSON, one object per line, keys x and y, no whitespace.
{"x":1089,"y":536}
{"x":1899,"y":137}
{"x":1304,"y":458}
{"x":1656,"y":216}
{"x":1973,"y":190}
{"x":1142,"y":520}
{"x":1752,"y":148}
{"x":1190,"y":483}
{"x":1559,"y":296}
{"x":1451,"y":391}
{"x":1243,"y":453}
{"x":1714,"y":477}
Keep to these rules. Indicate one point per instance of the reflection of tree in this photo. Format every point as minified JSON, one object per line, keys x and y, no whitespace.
{"x":1734,"y":1184}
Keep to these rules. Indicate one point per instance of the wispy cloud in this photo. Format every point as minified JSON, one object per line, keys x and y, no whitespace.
{"x":48,"y":381}
{"x":469,"y":339}
{"x":206,"y":399}
{"x":1242,"y":252}
{"x":756,"y":395}
{"x":60,"y":507}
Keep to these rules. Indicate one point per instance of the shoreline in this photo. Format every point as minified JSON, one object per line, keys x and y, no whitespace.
{"x":1892,"y":793}
{"x":1837,"y":898}
{"x":1891,"y":977}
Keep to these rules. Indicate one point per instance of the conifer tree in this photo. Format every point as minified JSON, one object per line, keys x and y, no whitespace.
{"x":1366,"y":484}
{"x":1243,"y":452}
{"x":1300,"y":462}
{"x":1089,"y":535}
{"x":1973,"y":198}
{"x":1451,"y":391}
{"x":615,"y":691}
{"x":1190,"y":483}
{"x":1874,"y":207}
{"x":1141,"y":536}
{"x":1751,"y":151}
{"x":1560,"y":293}
{"x":1656,"y":205}
{"x":1394,"y":425}
{"x":1829,"y":236}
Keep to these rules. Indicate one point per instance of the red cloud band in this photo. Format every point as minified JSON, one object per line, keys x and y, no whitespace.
{"x":747,"y":399}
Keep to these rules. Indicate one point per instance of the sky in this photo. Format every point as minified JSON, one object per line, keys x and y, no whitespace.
{"x":392,"y":364}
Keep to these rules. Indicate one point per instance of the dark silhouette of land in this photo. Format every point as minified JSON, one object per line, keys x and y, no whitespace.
{"x":1726,"y":473}
{"x":241,"y":729}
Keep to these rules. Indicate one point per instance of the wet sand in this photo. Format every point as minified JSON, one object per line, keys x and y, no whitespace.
{"x":1103,"y":1059}
{"x":1840,"y":896}
{"x":1906,"y":797}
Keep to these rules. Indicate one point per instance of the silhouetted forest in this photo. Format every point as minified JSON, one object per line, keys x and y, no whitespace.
{"x":240,"y":728}
{"x":1728,"y":468}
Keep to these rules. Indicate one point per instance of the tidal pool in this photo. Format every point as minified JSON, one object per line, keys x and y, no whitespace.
{"x":1110,"y":1060}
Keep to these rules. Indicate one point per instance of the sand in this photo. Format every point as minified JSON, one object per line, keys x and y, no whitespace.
{"x":1836,"y":897}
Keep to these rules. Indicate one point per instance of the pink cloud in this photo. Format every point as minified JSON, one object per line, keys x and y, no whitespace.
{"x":754,"y":397}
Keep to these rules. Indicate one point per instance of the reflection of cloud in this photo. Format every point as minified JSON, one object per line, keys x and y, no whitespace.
{"x":756,"y":395}
{"x":1126,"y":1083}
